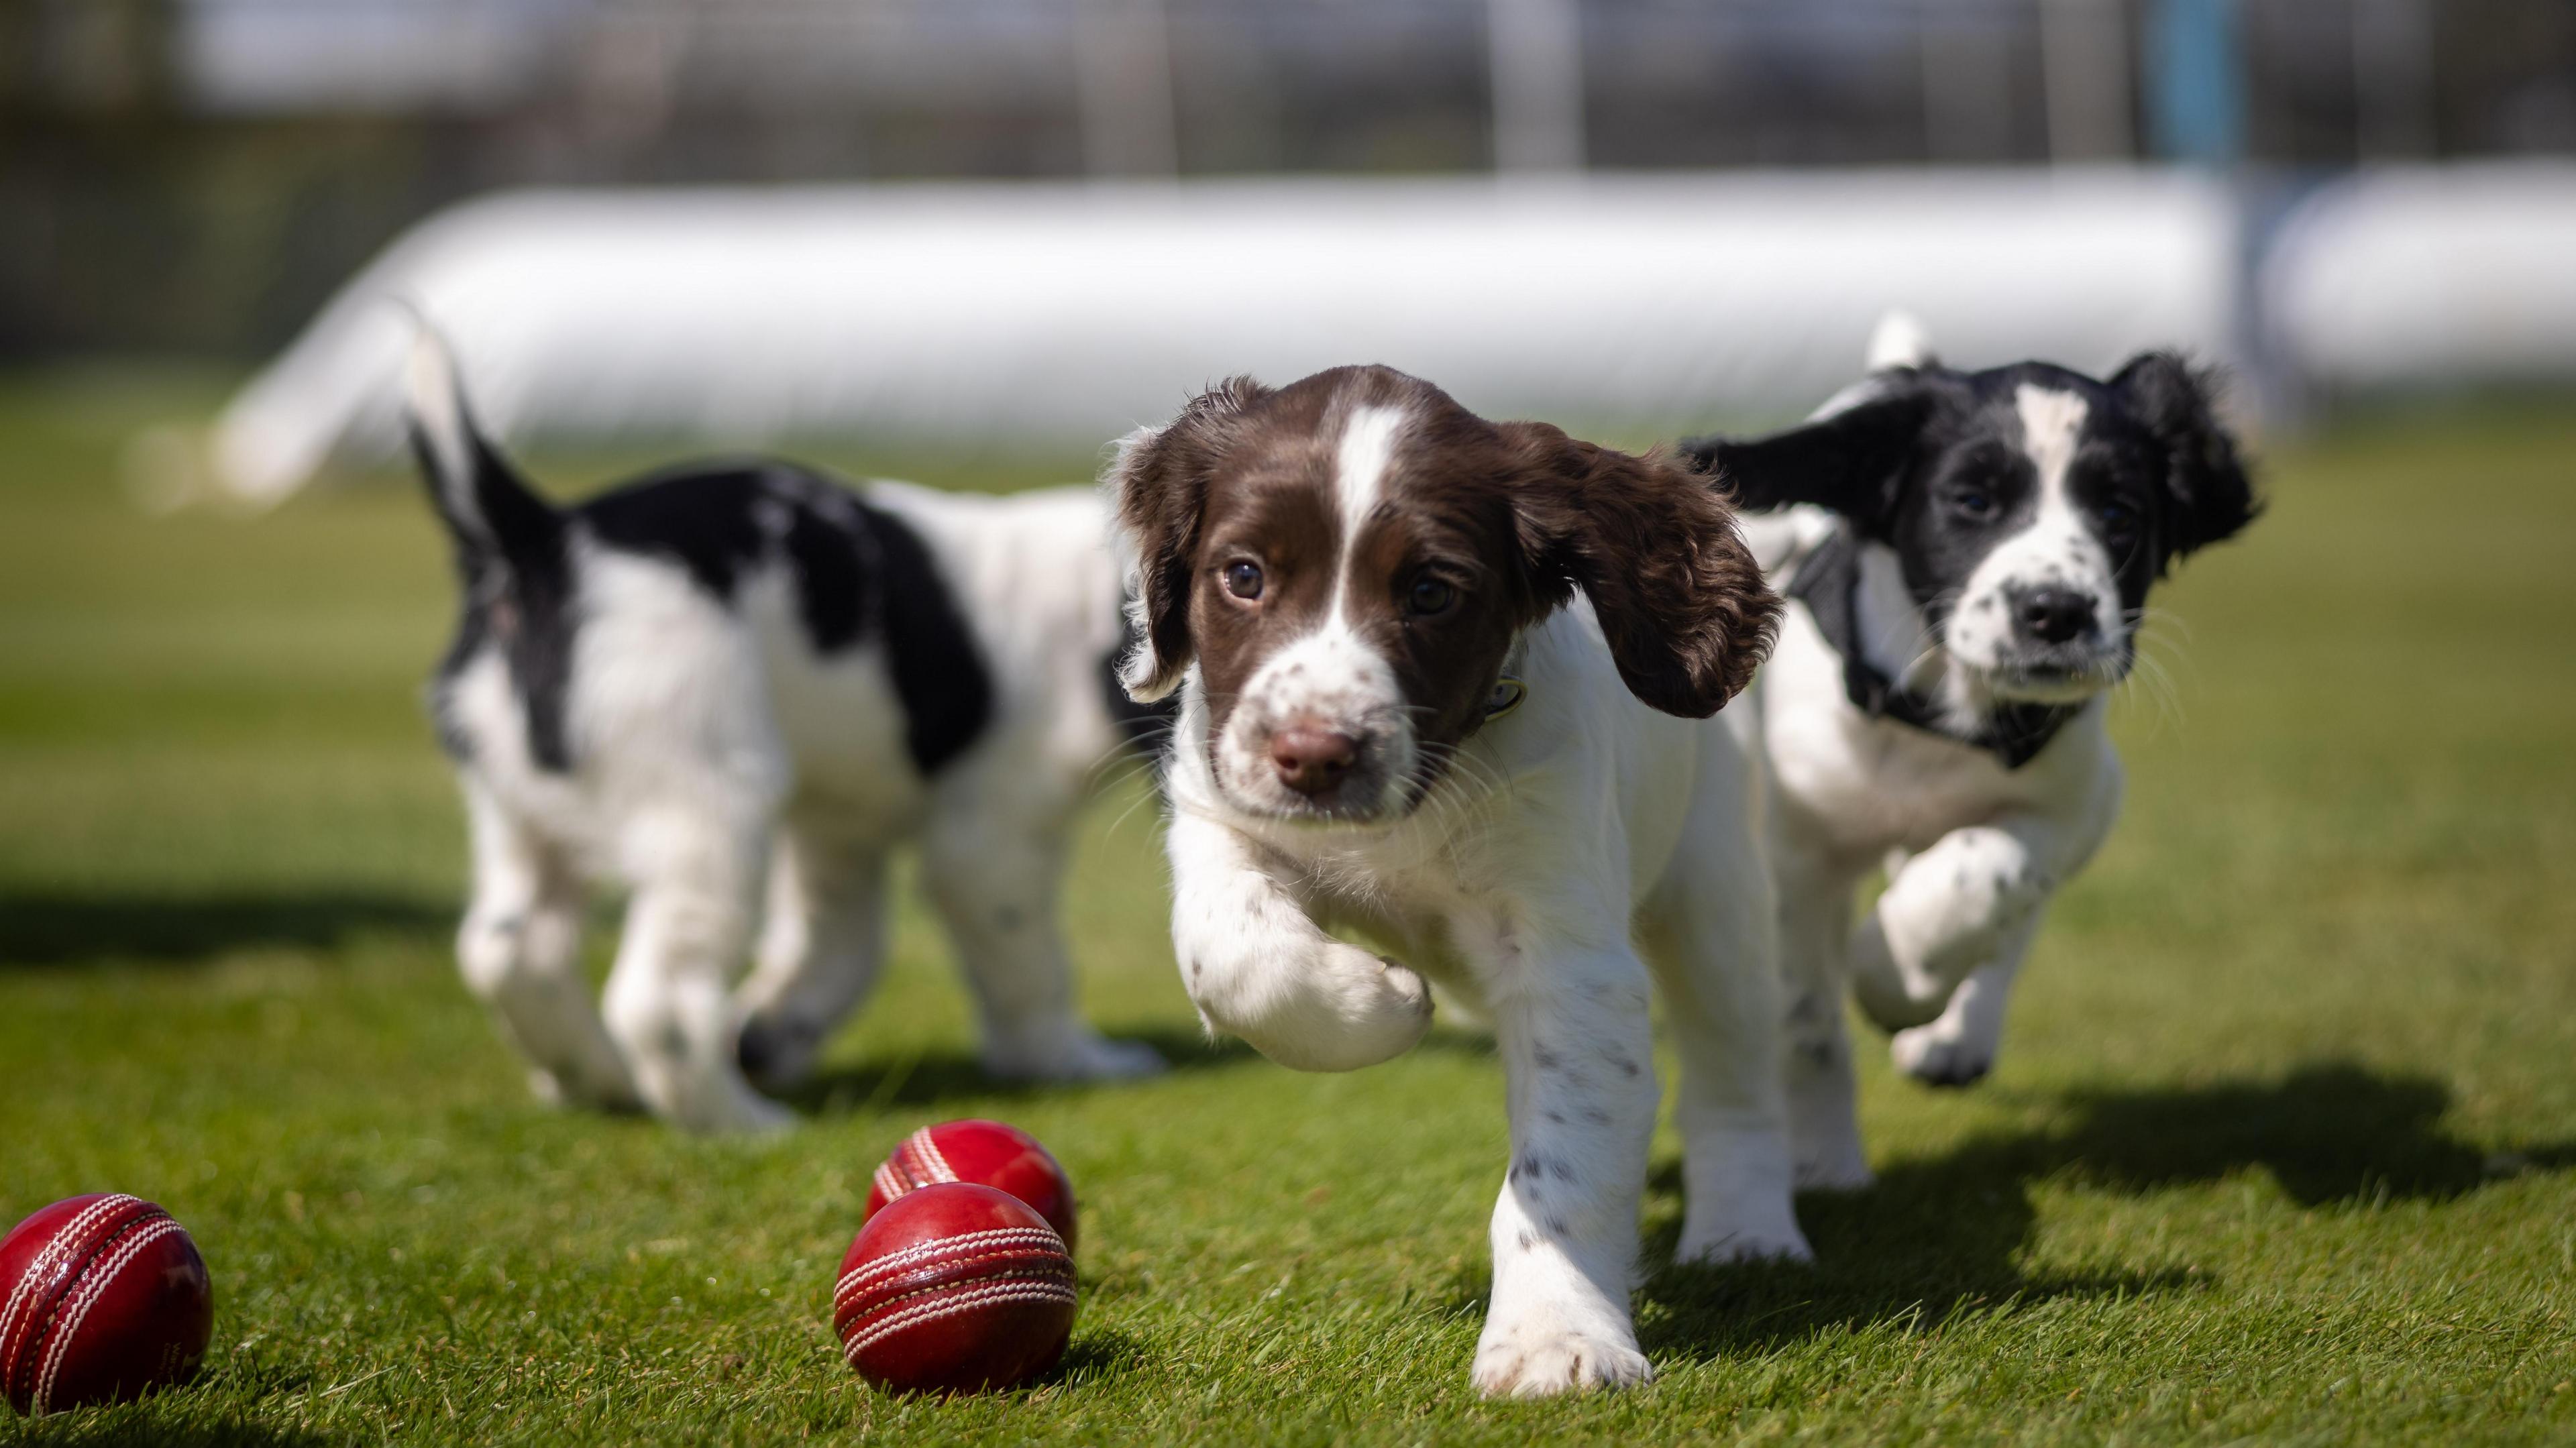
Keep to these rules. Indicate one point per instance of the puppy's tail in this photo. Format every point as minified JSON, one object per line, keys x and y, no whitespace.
{"x":1900,"y":340}
{"x":496,"y":519}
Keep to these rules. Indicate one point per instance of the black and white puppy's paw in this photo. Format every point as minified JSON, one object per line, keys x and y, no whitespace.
{"x":1940,"y":1054}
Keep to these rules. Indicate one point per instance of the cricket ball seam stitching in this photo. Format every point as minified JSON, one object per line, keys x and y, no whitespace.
{"x":93,"y":1286}
{"x":890,"y":1184}
{"x":19,"y":1319}
{"x":940,"y":1170}
{"x":928,"y":1312}
{"x":969,"y":1241}
{"x":1052,"y":1263}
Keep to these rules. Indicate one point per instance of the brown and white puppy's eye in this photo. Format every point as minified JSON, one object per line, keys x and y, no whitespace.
{"x":1430,"y":596}
{"x":1243,"y":579}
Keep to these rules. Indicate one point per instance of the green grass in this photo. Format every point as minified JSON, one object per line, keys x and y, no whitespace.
{"x":2283,"y":1146}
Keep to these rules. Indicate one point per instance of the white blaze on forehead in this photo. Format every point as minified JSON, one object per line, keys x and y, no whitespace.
{"x":2057,"y":549}
{"x":1359,"y":466}
{"x":1332,"y":676}
{"x":2051,"y":422}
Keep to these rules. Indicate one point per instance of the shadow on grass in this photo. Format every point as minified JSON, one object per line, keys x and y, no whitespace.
{"x":1098,"y":1354}
{"x":934,"y":1077}
{"x":1938,"y":1236}
{"x":39,"y":930}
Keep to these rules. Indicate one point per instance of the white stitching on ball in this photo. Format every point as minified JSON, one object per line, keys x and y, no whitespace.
{"x":965,"y":1300}
{"x":919,"y":1252}
{"x":18,"y":1319}
{"x":940,"y":1171}
{"x":93,"y":1286}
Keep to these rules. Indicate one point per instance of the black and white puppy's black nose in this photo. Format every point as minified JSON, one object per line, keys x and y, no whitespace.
{"x":2053,"y":615}
{"x":1312,"y":759}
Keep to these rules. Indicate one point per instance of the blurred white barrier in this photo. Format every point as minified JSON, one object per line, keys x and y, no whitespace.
{"x":2429,"y":276}
{"x":965,"y":314}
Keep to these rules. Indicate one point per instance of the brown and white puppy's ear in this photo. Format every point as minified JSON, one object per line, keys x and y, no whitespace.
{"x":1654,"y":545}
{"x":1157,"y":483}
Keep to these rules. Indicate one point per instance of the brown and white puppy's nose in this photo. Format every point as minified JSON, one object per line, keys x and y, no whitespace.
{"x":1312,"y":759}
{"x":2053,"y":615}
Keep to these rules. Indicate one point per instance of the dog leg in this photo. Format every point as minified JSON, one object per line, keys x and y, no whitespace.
{"x":997,"y":879}
{"x":520,"y":952}
{"x":1824,"y":1122}
{"x":1574,"y":1031}
{"x":1712,"y":941}
{"x":667,"y":1004}
{"x":1258,"y":967}
{"x":1947,"y":912}
{"x":820,"y":949}
{"x":1959,"y":1048}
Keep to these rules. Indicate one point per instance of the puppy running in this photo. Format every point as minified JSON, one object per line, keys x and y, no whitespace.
{"x":1970,"y":581}
{"x":1443,"y":683}
{"x":731,"y":674}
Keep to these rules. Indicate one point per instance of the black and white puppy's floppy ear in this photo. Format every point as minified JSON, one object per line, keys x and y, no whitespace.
{"x":1853,"y":462}
{"x":1680,"y":599}
{"x":1157,"y":483}
{"x":2208,"y":497}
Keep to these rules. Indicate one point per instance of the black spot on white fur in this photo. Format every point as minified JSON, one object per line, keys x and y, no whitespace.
{"x":858,"y":573}
{"x":858,"y":570}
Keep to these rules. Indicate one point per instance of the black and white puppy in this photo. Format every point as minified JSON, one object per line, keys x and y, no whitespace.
{"x":729,"y":678}
{"x":1970,"y":555}
{"x":1445,"y":684}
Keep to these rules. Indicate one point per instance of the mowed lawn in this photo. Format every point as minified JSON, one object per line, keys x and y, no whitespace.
{"x":2282,"y":1148}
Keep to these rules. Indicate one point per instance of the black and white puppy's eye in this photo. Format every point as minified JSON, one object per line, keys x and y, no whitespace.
{"x":1243,"y":578}
{"x":1974,"y":503}
{"x":2119,"y":520}
{"x":1429,"y":596}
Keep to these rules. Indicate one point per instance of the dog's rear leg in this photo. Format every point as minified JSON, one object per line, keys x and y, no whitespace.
{"x":520,"y":952}
{"x":996,"y":877}
{"x":820,"y":950}
{"x":668,"y":1005}
{"x":1824,"y":1102}
{"x":1710,"y":939}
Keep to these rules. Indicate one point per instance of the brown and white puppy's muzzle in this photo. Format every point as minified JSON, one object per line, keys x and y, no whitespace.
{"x":1347,"y":561}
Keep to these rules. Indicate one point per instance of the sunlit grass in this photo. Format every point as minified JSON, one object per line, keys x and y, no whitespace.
{"x":2283,"y":1146}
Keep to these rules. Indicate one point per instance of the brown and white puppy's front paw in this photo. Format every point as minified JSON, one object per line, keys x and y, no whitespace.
{"x":1339,"y":1009}
{"x":1542,"y":1354}
{"x":1260,"y":969}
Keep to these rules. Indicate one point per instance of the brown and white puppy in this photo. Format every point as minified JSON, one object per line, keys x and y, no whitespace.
{"x":1446,"y":684}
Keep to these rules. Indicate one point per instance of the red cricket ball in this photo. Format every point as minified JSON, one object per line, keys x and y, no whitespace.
{"x":986,"y":1153}
{"x":102,"y":1297}
{"x":954,"y":1288}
